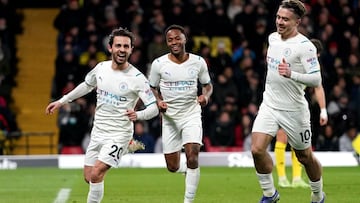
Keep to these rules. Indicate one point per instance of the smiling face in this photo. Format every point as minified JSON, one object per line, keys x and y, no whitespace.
{"x":176,"y":40}
{"x":120,"y":50}
{"x":286,"y":22}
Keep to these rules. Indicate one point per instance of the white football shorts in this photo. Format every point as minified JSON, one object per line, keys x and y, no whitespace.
{"x":176,"y":133}
{"x":295,"y":123}
{"x":108,"y":152}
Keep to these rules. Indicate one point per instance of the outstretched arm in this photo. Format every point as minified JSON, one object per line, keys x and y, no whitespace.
{"x":81,"y":90}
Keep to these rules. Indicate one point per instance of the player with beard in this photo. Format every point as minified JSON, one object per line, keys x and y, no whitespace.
{"x":119,"y":85}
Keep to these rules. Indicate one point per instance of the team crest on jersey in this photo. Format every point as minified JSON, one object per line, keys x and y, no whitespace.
{"x":123,"y":86}
{"x":287,"y":52}
{"x":192,"y":72}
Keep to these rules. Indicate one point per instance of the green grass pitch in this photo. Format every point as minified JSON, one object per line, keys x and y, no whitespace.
{"x":147,"y":185}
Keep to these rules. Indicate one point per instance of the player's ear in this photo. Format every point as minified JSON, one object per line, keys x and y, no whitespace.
{"x":109,"y":48}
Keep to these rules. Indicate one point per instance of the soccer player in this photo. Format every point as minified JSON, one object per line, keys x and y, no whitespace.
{"x":118,"y":85}
{"x":174,"y":79}
{"x":281,"y":139}
{"x":292,"y":64}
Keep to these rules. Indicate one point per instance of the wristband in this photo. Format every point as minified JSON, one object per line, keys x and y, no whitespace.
{"x":323,"y":113}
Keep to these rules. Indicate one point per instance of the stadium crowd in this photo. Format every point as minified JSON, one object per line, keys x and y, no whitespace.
{"x":10,"y":26}
{"x":231,"y":35}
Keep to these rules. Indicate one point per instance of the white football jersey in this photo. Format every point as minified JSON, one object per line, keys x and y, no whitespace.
{"x":116,"y":92}
{"x":179,"y":83}
{"x":300,"y":53}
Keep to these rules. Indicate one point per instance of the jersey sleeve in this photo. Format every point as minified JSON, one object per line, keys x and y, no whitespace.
{"x":144,"y":91}
{"x":309,"y":58}
{"x":204,"y":76}
{"x":90,"y":78}
{"x":154,"y":75}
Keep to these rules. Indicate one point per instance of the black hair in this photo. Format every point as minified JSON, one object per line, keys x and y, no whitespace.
{"x":121,"y":32}
{"x":296,"y":6}
{"x":175,"y":27}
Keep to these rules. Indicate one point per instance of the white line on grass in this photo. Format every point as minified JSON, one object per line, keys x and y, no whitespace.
{"x":62,"y":195}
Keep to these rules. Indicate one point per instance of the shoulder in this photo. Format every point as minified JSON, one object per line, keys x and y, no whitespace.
{"x":136,"y":72}
{"x":161,"y":59}
{"x":103,"y":64}
{"x":305,"y":44}
{"x":303,"y":41}
{"x":273,"y":36}
{"x":196,"y":58}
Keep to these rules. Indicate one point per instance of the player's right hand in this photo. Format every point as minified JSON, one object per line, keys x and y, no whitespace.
{"x":162,"y":106}
{"x":52,"y":107}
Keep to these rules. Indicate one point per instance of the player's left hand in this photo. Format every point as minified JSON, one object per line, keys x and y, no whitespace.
{"x":284,"y":69}
{"x":323,"y":117}
{"x":203,"y":100}
{"x":131,"y":114}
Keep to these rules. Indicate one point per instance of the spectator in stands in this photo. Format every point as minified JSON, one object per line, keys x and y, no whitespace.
{"x":224,"y":86}
{"x":177,"y":14}
{"x":199,"y":22}
{"x":93,"y":51}
{"x":246,"y":125}
{"x":141,"y":134}
{"x":233,"y":8}
{"x":67,"y":68}
{"x":221,"y":59}
{"x":138,"y":59}
{"x":70,"y":15}
{"x":156,"y":47}
{"x":347,"y":138}
{"x":218,"y":18}
{"x":5,"y":68}
{"x":222,"y":132}
{"x":355,"y":96}
{"x":8,"y":119}
{"x":327,"y":140}
{"x":335,"y":22}
{"x":73,"y":123}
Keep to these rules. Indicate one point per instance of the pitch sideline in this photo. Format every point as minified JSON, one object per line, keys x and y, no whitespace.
{"x":63,"y":195}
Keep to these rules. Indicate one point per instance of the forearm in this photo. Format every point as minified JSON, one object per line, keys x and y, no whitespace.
{"x":320,"y":96}
{"x":207,"y":90}
{"x":148,"y":113}
{"x":311,"y":80}
{"x":79,"y":91}
{"x":156,"y":93}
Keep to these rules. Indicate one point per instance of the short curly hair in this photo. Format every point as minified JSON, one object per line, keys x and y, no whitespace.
{"x":121,"y":32}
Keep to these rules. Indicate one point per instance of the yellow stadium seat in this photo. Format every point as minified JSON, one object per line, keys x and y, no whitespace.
{"x":219,"y":41}
{"x":198,"y":40}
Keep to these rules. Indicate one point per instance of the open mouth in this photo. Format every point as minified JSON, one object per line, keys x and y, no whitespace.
{"x":175,"y":48}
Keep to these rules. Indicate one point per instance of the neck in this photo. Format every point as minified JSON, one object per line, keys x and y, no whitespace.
{"x":289,"y":35}
{"x":180,"y":58}
{"x":122,"y":66}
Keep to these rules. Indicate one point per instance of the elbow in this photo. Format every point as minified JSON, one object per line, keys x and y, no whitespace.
{"x":316,"y":83}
